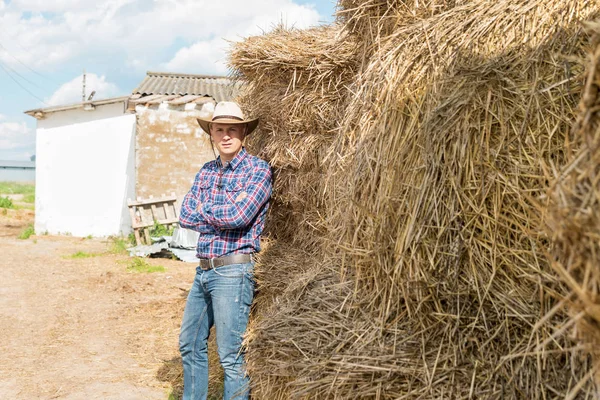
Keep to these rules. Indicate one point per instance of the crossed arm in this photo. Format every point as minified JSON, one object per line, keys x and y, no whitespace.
{"x":208,"y":217}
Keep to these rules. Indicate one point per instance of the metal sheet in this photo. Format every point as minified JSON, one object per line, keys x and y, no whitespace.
{"x":218,"y":87}
{"x":184,"y":238}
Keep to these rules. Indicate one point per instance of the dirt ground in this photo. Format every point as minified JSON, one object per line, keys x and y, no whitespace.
{"x":85,"y":328}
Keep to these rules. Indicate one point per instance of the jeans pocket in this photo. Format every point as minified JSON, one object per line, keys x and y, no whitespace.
{"x":249,"y":273}
{"x":230,"y":271}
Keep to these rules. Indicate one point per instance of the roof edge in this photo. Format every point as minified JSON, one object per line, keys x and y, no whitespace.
{"x":174,"y":74}
{"x":74,"y":106}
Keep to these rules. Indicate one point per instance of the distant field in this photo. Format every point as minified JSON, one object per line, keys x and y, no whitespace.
{"x":17,"y":188}
{"x":27,"y":190}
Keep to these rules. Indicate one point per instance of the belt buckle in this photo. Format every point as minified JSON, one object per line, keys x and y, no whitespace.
{"x":211,"y":261}
{"x":208,"y":267}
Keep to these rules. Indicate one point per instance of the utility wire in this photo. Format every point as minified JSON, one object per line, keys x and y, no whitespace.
{"x":15,"y":41}
{"x":22,"y":63}
{"x":22,"y":77}
{"x":19,"y":83}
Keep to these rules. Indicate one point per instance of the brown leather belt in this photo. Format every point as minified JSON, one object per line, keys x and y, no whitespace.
{"x":210,"y":263}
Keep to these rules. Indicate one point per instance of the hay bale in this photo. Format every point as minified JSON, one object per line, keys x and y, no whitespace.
{"x":415,"y":265}
{"x":295,"y":82}
{"x":574,"y":222}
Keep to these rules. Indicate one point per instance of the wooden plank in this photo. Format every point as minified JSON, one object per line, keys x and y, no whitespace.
{"x":165,"y":221}
{"x":138,"y":240}
{"x":175,"y":208}
{"x":133,"y":224}
{"x":154,"y":212}
{"x":141,"y":202}
{"x":166,"y":208}
{"x":147,"y":236}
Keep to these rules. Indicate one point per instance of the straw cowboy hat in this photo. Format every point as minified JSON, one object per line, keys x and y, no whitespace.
{"x":228,"y":112}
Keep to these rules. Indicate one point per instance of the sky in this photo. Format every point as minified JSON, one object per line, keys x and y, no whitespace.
{"x":45,"y":45}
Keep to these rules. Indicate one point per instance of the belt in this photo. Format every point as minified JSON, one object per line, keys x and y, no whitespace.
{"x":210,"y":263}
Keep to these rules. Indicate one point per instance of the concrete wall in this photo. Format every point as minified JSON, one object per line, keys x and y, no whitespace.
{"x":170,"y":149}
{"x":85,"y":171}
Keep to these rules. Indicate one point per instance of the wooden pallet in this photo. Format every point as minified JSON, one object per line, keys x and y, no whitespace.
{"x":144,"y":212}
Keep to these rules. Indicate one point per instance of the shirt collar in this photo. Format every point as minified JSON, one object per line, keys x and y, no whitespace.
{"x":237,"y":160}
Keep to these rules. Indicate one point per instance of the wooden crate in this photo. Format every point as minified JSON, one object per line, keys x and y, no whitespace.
{"x":144,"y":212}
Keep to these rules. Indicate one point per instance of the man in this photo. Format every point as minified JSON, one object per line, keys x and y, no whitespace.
{"x":227,"y":204}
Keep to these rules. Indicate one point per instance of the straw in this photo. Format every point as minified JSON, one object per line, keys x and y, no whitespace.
{"x":407,"y":253}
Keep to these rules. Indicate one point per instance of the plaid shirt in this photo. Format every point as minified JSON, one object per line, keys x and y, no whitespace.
{"x":234,"y":202}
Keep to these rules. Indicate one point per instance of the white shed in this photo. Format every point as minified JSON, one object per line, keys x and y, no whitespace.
{"x":95,"y":155}
{"x":85,"y":168}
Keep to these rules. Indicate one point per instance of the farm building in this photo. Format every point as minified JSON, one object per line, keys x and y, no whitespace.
{"x":17,"y":171}
{"x":94,"y":156}
{"x":170,"y":145}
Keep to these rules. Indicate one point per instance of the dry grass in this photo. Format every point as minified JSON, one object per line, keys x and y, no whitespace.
{"x":574,"y":222}
{"x":413,"y":149}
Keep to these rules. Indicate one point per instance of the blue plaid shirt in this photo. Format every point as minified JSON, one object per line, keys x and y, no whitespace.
{"x":234,"y":202}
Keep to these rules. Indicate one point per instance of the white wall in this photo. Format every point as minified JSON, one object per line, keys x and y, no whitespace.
{"x":85,"y":171}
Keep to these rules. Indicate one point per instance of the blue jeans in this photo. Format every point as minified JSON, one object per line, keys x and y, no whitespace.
{"x":220,"y":296}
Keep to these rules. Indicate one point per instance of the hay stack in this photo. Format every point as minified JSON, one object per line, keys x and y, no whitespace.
{"x":575,"y":216}
{"x":406,"y":261}
{"x":297,"y":81}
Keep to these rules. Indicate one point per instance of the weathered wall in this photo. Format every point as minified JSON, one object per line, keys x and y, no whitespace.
{"x":170,"y":149}
{"x":85,"y":171}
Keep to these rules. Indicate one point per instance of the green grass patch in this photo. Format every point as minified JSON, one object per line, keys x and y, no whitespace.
{"x":82,"y":254}
{"x":161,"y":230}
{"x":27,"y":232}
{"x":29,"y":198}
{"x":140,"y":265}
{"x":17,"y":188}
{"x":119,"y":244}
{"x":5,"y":202}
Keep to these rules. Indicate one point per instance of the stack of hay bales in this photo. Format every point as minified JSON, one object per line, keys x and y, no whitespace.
{"x":575,"y":213}
{"x":411,"y":147}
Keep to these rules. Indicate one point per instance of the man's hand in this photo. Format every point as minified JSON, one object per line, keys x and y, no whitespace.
{"x":199,"y":207}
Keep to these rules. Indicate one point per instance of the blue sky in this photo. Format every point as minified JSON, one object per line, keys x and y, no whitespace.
{"x":46,"y":44}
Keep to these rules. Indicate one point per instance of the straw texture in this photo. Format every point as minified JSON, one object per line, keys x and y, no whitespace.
{"x":574,"y":222}
{"x":408,"y":248}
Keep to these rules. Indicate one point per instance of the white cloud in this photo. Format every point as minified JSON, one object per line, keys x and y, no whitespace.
{"x":17,"y":140}
{"x":137,"y":32}
{"x":71,"y":91}
{"x":50,"y":6}
{"x":208,"y":56}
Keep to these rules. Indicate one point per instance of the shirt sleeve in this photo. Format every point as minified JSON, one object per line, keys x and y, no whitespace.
{"x":241,"y":214}
{"x":189,"y":217}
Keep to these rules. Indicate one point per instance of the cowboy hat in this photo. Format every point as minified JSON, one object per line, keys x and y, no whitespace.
{"x":228,"y":112}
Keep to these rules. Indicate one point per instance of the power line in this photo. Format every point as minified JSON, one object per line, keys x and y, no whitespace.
{"x":15,"y":41}
{"x":22,"y":63}
{"x":19,"y":83}
{"x":22,"y":77}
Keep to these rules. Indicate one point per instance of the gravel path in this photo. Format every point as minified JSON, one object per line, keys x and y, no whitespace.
{"x":85,"y":328}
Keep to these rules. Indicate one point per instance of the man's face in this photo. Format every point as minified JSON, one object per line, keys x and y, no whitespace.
{"x":228,"y":138}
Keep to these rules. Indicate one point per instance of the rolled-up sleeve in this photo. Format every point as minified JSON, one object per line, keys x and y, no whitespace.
{"x":240,"y":214}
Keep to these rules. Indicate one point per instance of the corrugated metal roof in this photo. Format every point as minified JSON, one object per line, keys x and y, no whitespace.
{"x":218,"y":87}
{"x":10,"y":164}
